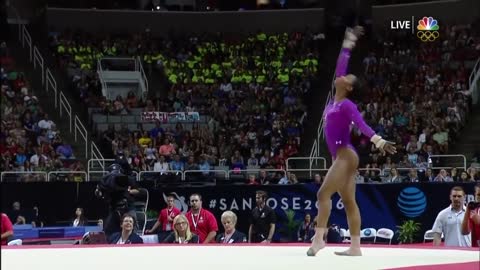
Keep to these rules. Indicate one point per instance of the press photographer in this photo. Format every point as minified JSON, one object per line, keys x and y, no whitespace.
{"x":471,"y":220}
{"x":119,"y":191}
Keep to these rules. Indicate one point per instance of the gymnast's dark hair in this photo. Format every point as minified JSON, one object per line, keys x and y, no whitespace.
{"x":359,"y":88}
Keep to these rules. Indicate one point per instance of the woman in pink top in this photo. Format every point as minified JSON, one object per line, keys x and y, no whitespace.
{"x":166,"y":149}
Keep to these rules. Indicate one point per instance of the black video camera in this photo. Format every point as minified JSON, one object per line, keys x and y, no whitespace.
{"x":114,"y":189}
{"x":472,"y":205}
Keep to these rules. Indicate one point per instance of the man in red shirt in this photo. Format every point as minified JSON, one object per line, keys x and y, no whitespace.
{"x":202,"y":222}
{"x":166,"y":216}
{"x":7,"y":229}
{"x":471,"y":220}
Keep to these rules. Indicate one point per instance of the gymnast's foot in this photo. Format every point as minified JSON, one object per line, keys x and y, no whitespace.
{"x":316,"y":246}
{"x":350,"y":252}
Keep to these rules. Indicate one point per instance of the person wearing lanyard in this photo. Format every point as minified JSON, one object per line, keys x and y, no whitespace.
{"x":231,"y":235}
{"x":166,"y":216}
{"x":471,"y":220}
{"x":181,"y":233}
{"x":202,"y":222}
{"x":6,"y":228}
{"x":449,"y":222}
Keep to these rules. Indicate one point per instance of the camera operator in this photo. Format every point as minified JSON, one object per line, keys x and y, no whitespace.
{"x":119,"y":190}
{"x":471,"y":220}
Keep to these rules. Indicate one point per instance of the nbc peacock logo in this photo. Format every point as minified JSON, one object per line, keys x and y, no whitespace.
{"x":428,"y":29}
{"x":412,"y":202}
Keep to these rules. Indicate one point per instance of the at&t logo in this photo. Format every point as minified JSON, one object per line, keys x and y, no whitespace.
{"x":412,"y":202}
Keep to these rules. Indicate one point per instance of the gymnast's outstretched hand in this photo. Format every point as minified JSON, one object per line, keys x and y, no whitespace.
{"x":383,"y":145}
{"x":358,"y":31}
{"x":351,"y":36}
{"x":389,"y":148}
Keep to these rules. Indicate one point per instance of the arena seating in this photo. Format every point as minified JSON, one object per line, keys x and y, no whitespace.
{"x":418,"y":98}
{"x":248,"y":91}
{"x":29,"y":140}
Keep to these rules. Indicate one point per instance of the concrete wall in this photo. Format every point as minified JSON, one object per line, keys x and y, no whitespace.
{"x":197,"y":22}
{"x":269,"y":21}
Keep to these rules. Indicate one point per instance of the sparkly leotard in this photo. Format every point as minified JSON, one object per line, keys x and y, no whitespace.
{"x":338,"y":116}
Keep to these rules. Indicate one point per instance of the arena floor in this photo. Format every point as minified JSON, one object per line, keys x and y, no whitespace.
{"x":215,"y":257}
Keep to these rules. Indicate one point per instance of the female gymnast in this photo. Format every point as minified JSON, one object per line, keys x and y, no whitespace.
{"x":340,"y":178}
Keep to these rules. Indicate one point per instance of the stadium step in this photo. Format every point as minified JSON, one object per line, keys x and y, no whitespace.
{"x":46,"y":99}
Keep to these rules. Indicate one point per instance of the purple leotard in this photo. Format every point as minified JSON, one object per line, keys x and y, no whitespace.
{"x":339,"y":115}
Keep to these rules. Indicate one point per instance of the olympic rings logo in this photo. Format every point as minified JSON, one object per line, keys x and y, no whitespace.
{"x":428,"y":36}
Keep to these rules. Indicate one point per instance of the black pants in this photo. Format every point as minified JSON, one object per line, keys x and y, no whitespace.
{"x":259,"y":237}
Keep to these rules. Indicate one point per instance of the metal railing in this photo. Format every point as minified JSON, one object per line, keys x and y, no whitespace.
{"x":38,"y":60}
{"x":32,"y":174}
{"x":447,"y":156}
{"x":51,"y":84}
{"x":26,"y":38}
{"x":103,"y":173}
{"x":100,"y":161}
{"x":210,"y":174}
{"x":48,"y":81}
{"x":181,"y":176}
{"x":473,"y":79}
{"x":315,"y":151}
{"x":371,"y":169}
{"x":65,"y":106}
{"x":144,"y":174}
{"x":137,"y":67}
{"x":53,"y":175}
{"x":311,"y":161}
{"x":82,"y":131}
{"x":142,"y":71}
{"x":249,"y":171}
{"x":96,"y":156}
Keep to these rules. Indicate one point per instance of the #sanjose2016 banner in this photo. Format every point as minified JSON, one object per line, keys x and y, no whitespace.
{"x":381,"y":205}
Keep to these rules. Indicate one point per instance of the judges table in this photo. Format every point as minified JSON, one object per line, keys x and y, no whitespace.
{"x":51,"y":235}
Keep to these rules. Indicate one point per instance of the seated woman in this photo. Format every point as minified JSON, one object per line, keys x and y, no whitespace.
{"x":80,"y":219}
{"x":127,"y":235}
{"x":181,"y":232}
{"x":231,"y":235}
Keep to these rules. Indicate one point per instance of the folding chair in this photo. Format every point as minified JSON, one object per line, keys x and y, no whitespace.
{"x":429,"y":236}
{"x":141,"y":206}
{"x":385,"y":233}
{"x":16,"y":242}
{"x":150,"y":239}
{"x":368,"y":233}
{"x":345,"y":234}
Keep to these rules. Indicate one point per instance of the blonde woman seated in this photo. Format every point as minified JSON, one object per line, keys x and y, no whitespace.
{"x":181,"y":232}
{"x":231,"y":235}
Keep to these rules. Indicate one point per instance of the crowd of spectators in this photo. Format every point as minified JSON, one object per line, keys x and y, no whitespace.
{"x":418,"y":98}
{"x":29,"y":139}
{"x":250,"y":87}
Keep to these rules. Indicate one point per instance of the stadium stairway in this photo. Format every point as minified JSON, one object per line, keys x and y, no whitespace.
{"x":469,"y":140}
{"x":46,"y":100}
{"x":315,"y":99}
{"x":37,"y":28}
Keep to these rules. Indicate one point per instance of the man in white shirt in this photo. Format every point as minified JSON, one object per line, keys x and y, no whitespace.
{"x":36,"y":157}
{"x":449,"y":222}
{"x":45,"y":123}
{"x":160,"y":165}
